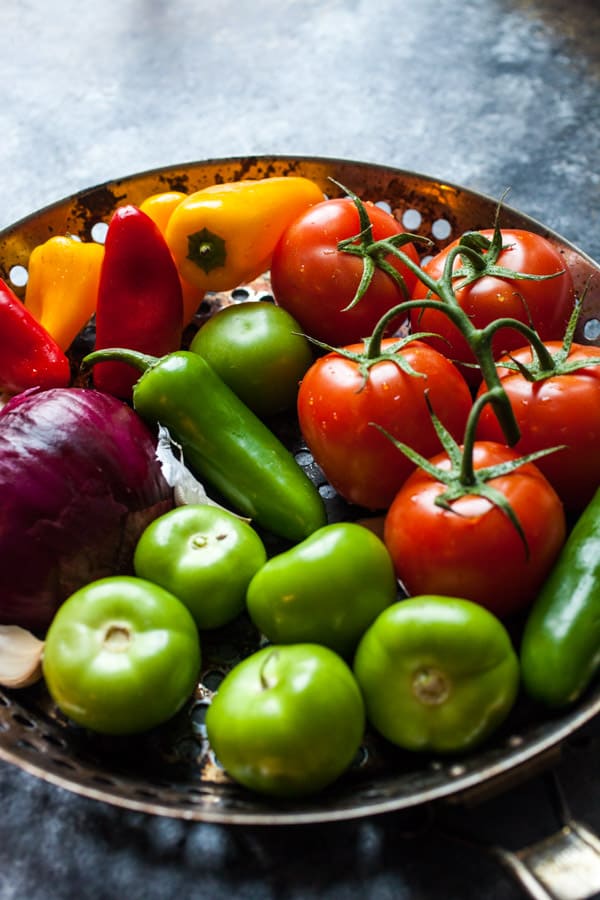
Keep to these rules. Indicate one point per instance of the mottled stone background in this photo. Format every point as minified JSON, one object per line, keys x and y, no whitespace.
{"x":491,"y":95}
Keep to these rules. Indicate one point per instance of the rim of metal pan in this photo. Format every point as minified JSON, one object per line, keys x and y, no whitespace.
{"x":172,"y":771}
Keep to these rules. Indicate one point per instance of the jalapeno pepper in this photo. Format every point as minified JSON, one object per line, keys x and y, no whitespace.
{"x":29,"y":356}
{"x":224,"y":235}
{"x":560,"y":649}
{"x":139,"y":297}
{"x":62,"y":288}
{"x":223,"y":440}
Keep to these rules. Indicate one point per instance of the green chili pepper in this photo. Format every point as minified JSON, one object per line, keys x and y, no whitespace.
{"x":560,"y":649}
{"x":223,"y":441}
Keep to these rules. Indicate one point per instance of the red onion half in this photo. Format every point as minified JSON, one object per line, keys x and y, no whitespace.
{"x":79,"y":481}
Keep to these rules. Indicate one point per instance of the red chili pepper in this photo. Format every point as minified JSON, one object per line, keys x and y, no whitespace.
{"x":29,"y":356}
{"x":139,"y":297}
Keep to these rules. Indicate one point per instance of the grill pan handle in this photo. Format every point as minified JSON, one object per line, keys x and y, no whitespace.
{"x":562,"y":866}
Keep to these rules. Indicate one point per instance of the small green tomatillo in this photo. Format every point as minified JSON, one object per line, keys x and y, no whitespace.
{"x":326,"y":590}
{"x":204,"y":555}
{"x":288,"y":720}
{"x":438,"y":674}
{"x":121,"y":656}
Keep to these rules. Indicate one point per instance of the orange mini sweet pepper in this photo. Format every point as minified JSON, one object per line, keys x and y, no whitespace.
{"x":62,"y":287}
{"x":159,"y":208}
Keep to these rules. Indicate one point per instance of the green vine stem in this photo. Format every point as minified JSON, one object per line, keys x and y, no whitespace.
{"x":462,"y":479}
{"x":480,"y":342}
{"x":546,"y":364}
{"x":442,"y":297}
{"x":373,"y":253}
{"x":374,"y":353}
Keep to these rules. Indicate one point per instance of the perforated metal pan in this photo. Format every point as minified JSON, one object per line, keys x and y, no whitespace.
{"x":171,"y":771}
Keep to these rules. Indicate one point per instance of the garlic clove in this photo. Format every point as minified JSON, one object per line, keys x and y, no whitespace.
{"x":20,"y":657}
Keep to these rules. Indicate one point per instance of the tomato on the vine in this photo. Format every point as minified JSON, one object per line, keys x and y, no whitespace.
{"x":557,"y":408}
{"x":339,"y":406}
{"x":314,"y":280}
{"x":469,"y":547}
{"x":544,"y":304}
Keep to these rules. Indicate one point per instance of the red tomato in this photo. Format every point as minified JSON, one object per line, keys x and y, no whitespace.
{"x":561,"y":409}
{"x":473,"y":550}
{"x":314,"y":281}
{"x":544,"y":304}
{"x":335,"y":411}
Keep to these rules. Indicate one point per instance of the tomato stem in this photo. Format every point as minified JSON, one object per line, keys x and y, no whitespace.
{"x":479,"y":339}
{"x":480,"y":342}
{"x":545,"y":364}
{"x":479,"y":256}
{"x":467,"y":471}
{"x":373,"y":253}
{"x":544,"y":357}
{"x":462,"y":479}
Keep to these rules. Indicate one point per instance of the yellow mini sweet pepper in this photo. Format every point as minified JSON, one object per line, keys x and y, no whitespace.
{"x":62,"y":286}
{"x":224,"y":235}
{"x":160,"y":207}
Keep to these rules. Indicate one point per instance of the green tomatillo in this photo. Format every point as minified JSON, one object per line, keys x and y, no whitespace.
{"x":258,"y":349}
{"x":437,"y":674}
{"x":327,"y":589}
{"x":204,"y":555}
{"x":287,"y":720}
{"x":121,"y":656}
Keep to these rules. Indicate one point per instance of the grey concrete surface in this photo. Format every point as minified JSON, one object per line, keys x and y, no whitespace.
{"x":492,"y":95}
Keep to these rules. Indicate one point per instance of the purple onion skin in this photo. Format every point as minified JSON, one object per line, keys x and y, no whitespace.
{"x":79,"y":482}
